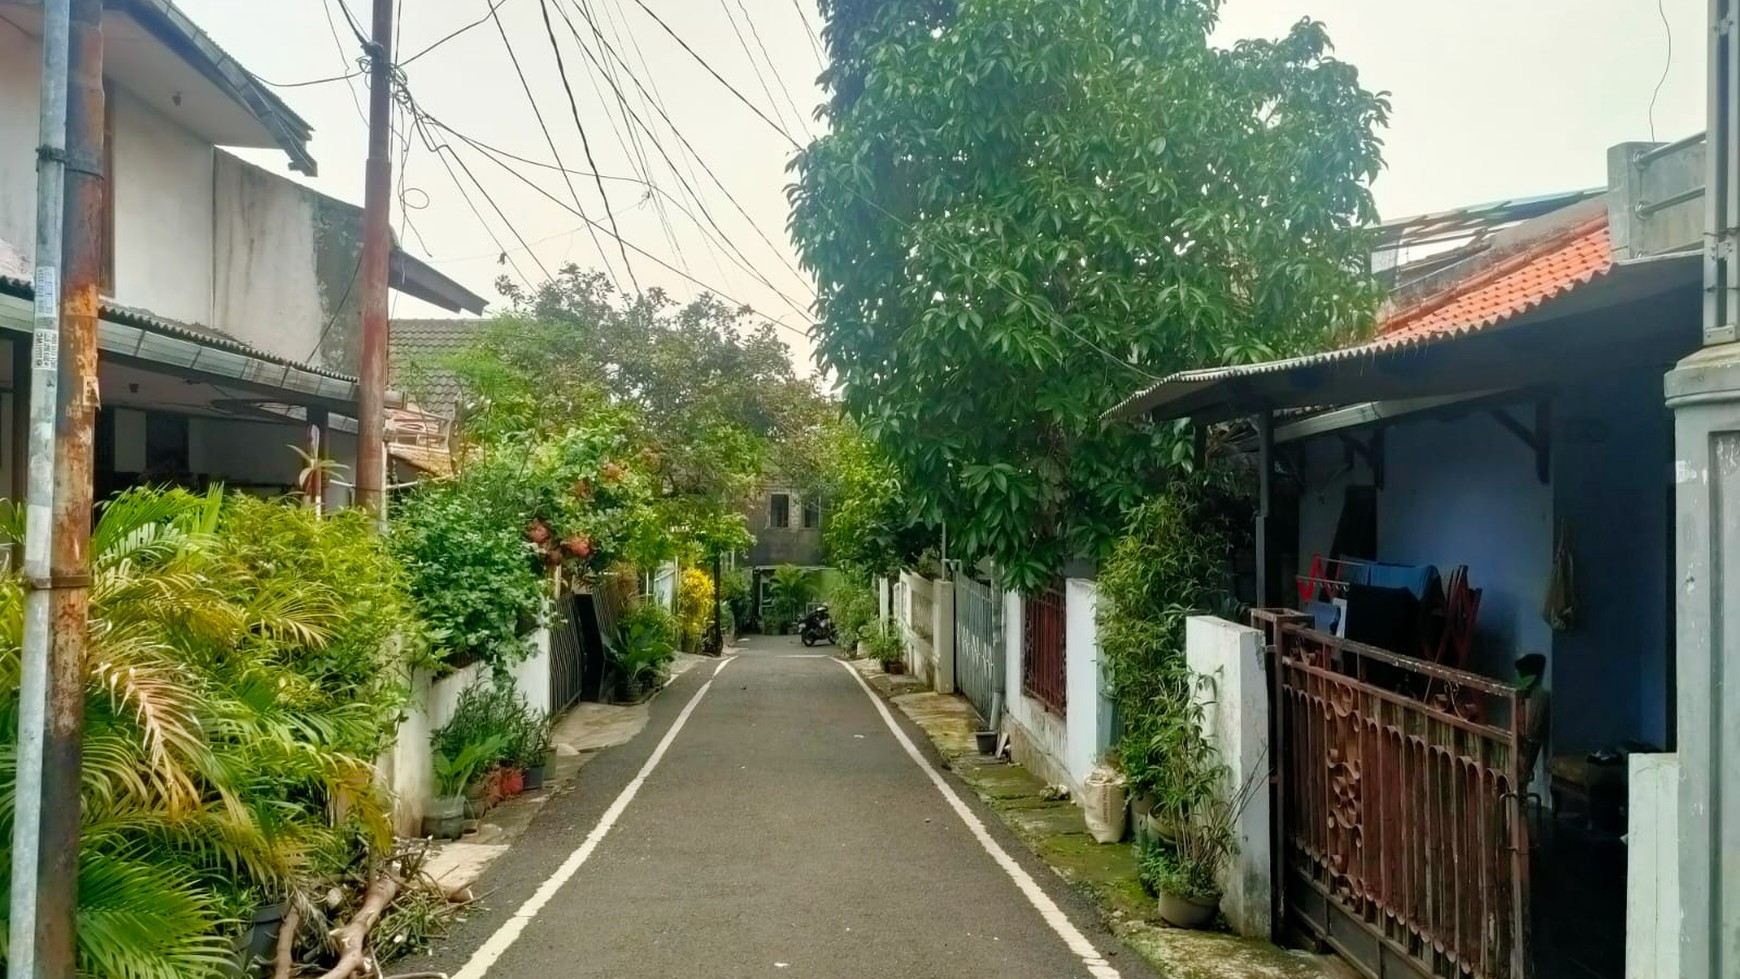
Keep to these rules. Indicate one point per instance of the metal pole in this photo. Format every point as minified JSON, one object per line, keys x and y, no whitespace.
{"x":27,"y":963}
{"x":1265,"y":477}
{"x":376,"y":258}
{"x":719,"y":601}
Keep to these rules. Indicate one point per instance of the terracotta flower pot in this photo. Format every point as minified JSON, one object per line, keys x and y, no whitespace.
{"x":513,"y":782}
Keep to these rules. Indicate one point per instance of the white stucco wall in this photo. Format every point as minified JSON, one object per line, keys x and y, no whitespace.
{"x":266,"y":291}
{"x":1236,"y":712}
{"x":1088,"y":728}
{"x":1652,"y":877}
{"x":942,"y":637}
{"x":20,"y":68}
{"x":163,"y":214}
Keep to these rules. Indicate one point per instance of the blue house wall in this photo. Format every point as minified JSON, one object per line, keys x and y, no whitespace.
{"x":1461,"y":490}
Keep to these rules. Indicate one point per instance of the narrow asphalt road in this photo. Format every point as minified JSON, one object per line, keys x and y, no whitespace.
{"x":783,"y":831}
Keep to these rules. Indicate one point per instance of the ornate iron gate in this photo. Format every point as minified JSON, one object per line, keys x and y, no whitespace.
{"x":1404,"y":842}
{"x":979,"y":643}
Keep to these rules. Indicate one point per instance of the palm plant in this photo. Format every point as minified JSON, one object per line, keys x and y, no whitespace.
{"x":212,"y":767}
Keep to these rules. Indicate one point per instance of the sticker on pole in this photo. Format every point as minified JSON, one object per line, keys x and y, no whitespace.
{"x":47,"y":291}
{"x":45,"y":350}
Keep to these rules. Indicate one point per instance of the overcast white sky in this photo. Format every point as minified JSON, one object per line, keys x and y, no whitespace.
{"x":1492,"y":99}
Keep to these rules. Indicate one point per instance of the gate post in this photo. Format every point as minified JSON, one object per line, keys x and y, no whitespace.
{"x":942,"y":634}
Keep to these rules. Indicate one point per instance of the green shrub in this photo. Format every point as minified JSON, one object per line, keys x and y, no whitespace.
{"x":492,"y":712}
{"x":644,"y":645}
{"x":241,"y":672}
{"x":852,"y":603}
{"x":788,"y":594}
{"x":882,"y":644}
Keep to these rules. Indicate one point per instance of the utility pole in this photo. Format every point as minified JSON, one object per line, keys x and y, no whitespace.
{"x":63,"y":411}
{"x":371,"y":462}
{"x":32,"y":958}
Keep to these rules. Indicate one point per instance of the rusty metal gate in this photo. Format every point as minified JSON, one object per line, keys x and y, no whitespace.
{"x":979,"y":644}
{"x":1043,"y":664}
{"x":1404,"y":842}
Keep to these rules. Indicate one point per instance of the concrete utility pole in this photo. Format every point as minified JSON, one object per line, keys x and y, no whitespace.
{"x":30,"y":960}
{"x":371,"y":452}
{"x":63,"y":413}
{"x":1704,"y":392}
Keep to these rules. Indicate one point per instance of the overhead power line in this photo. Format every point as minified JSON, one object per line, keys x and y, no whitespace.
{"x":636,"y":248}
{"x":690,"y":148}
{"x":479,"y":22}
{"x":772,"y":69}
{"x":585,"y":144}
{"x":718,"y":77}
{"x":549,"y":140}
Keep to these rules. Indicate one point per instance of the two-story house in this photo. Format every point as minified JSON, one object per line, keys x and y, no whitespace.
{"x":229,"y":327}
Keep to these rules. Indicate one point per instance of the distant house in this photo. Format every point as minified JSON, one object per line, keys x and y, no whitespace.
{"x":787,"y":528}
{"x":229,"y":326}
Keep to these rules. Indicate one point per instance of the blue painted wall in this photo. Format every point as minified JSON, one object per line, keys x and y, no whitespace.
{"x":1464,"y":491}
{"x":1613,"y":450}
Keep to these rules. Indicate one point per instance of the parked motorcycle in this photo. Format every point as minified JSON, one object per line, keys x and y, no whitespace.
{"x":816,"y":626}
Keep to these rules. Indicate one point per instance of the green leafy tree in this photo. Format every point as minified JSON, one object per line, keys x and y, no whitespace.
{"x":1027,"y":208}
{"x":711,"y":395}
{"x":872,"y":530}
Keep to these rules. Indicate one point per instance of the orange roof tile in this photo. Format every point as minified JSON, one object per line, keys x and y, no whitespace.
{"x":1507,"y":288}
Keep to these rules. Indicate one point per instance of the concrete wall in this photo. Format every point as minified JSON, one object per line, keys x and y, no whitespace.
{"x":267,"y":290}
{"x":1088,"y":727}
{"x":1060,"y":749}
{"x":20,"y":93}
{"x":163,"y":214}
{"x":1652,"y":900}
{"x":408,"y":767}
{"x":1236,"y":711}
{"x":914,"y":615}
{"x":942,"y":636}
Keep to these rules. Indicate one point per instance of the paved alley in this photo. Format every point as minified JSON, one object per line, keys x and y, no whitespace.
{"x":769,"y":822}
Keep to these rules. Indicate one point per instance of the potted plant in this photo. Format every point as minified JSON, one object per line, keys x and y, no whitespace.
{"x":536,"y":753}
{"x":1183,"y":879}
{"x":453,"y":776}
{"x":884,"y":646}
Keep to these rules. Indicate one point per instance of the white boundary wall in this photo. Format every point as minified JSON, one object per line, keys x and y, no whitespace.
{"x":1236,"y":714}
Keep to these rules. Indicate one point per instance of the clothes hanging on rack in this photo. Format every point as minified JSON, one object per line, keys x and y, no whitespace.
{"x":1560,"y":606}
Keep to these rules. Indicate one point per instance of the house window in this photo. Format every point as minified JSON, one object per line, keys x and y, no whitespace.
{"x":166,"y":445}
{"x":779,"y":511}
{"x":812,"y":514}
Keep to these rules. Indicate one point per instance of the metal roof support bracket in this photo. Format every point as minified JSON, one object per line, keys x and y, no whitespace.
{"x":1539,"y":438}
{"x":1371,"y":450}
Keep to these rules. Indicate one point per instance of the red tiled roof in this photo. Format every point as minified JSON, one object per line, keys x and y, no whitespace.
{"x":1508,"y":288}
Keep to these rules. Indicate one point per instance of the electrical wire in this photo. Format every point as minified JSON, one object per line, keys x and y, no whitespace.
{"x":774,"y":71}
{"x":718,"y":77}
{"x":444,"y":153}
{"x":551,"y":142}
{"x":338,"y":42}
{"x":737,"y":255}
{"x":585,"y":144}
{"x":312,"y":81}
{"x":815,"y":42}
{"x":479,"y":22}
{"x":695,"y":154}
{"x":1667,"y":29}
{"x":754,"y":66}
{"x":636,"y":248}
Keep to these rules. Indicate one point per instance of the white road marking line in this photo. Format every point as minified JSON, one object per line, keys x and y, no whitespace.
{"x":1059,"y":922}
{"x":497,"y":944}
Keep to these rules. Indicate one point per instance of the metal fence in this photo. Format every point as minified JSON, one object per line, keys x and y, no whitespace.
{"x":1405,"y":843}
{"x":567,"y":654}
{"x":979,"y":644}
{"x":1042,"y":654}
